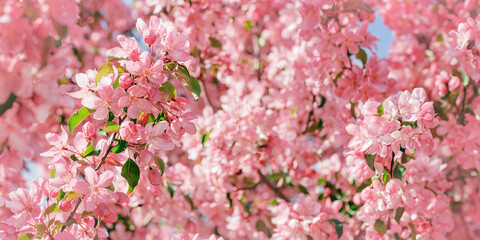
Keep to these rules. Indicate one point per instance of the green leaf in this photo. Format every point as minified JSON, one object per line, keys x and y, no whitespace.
{"x":160,"y":164}
{"x":26,"y":236}
{"x":276,"y":176}
{"x":73,"y":157}
{"x":131,"y":172}
{"x":413,"y":233}
{"x":293,"y":111}
{"x":248,"y":207}
{"x":168,"y":91}
{"x":90,"y":151}
{"x":3,"y":145}
{"x":215,"y":43}
{"x":397,"y":213}
{"x":323,"y":100}
{"x":273,"y":202}
{"x":262,"y":227}
{"x":171,"y":190}
{"x":120,"y":147}
{"x":316,"y":126}
{"x":362,"y":56}
{"x":339,"y":75}
{"x":50,"y":209}
{"x":205,"y":137}
{"x":111,"y":126}
{"x":248,"y":25}
{"x":105,"y":69}
{"x":320,"y":181}
{"x":370,"y":160}
{"x":380,"y":110}
{"x":103,"y":133}
{"x":230,"y":200}
{"x":60,"y":195}
{"x":338,"y":226}
{"x":380,"y":226}
{"x":385,"y":177}
{"x":303,"y":189}
{"x":87,"y":214}
{"x":78,"y":117}
{"x":462,"y":76}
{"x":183,"y":76}
{"x":398,"y":171}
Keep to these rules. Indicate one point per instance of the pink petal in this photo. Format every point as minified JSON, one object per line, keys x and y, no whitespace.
{"x":82,"y":188}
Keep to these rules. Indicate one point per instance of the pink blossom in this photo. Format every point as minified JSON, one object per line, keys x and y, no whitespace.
{"x":94,"y":188}
{"x":135,"y":102}
{"x":148,"y":68}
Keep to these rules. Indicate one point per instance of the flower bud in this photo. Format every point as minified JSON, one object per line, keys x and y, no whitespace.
{"x":150,"y":37}
{"x":65,"y":206}
{"x":143,"y":119}
{"x":125,"y":81}
{"x":88,"y":131}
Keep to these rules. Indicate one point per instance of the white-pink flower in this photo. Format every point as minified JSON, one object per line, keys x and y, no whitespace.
{"x":94,"y":188}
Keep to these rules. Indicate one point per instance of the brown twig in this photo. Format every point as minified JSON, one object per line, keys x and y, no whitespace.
{"x":273,"y":188}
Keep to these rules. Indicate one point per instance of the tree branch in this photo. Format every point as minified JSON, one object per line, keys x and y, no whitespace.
{"x":109,"y":148}
{"x":273,"y":188}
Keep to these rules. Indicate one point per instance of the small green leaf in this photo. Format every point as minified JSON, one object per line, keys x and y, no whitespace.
{"x":111,"y":126}
{"x":50,"y":209}
{"x":90,"y":151}
{"x":7,"y":104}
{"x":248,"y":24}
{"x":316,"y":126}
{"x":248,"y":207}
{"x":105,"y":69}
{"x":131,"y":172}
{"x":293,"y":111}
{"x":303,"y":189}
{"x":215,"y":43}
{"x":323,"y":100}
{"x":397,"y":213}
{"x":339,"y":75}
{"x":276,"y":176}
{"x":168,"y":91}
{"x":171,"y":190}
{"x":273,"y":202}
{"x":78,"y":117}
{"x":362,"y":56}
{"x":103,"y":133}
{"x":60,"y":195}
{"x":87,"y":214}
{"x":26,"y":236}
{"x":320,"y":181}
{"x":183,"y":76}
{"x":398,"y":171}
{"x":380,"y":226}
{"x":338,"y":226}
{"x":370,"y":160}
{"x":120,"y":147}
{"x":413,"y":233}
{"x":385,"y":177}
{"x":230,"y":200}
{"x":205,"y":137}
{"x":160,"y":164}
{"x":380,"y":110}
